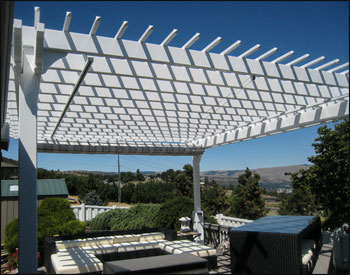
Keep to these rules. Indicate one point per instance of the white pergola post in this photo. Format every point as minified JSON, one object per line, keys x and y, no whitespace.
{"x":29,"y":81}
{"x":197,"y":214}
{"x":27,"y":156}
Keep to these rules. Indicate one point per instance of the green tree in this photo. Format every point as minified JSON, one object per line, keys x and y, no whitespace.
{"x":327,"y":180}
{"x":184,"y":181}
{"x":92,"y":198}
{"x":246,"y":201}
{"x":139,"y":176}
{"x":214,"y":199}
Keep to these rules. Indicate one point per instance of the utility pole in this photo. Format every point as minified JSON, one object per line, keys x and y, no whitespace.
{"x":119,"y":182}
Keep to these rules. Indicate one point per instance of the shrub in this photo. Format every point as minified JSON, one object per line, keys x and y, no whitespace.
{"x":11,"y":236}
{"x":73,"y":227}
{"x":140,"y":216}
{"x":103,"y":221}
{"x":172,"y":210}
{"x":53,"y":214}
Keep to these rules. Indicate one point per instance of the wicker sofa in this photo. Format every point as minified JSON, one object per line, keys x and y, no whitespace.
{"x":89,"y":252}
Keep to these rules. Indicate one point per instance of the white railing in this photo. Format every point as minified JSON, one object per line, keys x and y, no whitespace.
{"x":230,"y":221}
{"x":87,"y":212}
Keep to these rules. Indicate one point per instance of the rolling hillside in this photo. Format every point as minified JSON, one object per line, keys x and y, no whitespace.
{"x":271,"y":178}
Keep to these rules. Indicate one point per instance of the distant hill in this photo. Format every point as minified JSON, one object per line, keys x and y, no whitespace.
{"x":270,"y":178}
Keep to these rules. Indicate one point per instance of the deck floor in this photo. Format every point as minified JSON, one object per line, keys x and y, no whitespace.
{"x":224,"y":264}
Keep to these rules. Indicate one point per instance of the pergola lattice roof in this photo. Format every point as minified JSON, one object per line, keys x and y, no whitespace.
{"x":134,"y":97}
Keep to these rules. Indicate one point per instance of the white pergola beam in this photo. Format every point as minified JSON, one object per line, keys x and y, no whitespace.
{"x":339,"y":67}
{"x":170,"y":37}
{"x":95,"y":25}
{"x":121,"y":30}
{"x":192,"y":40}
{"x":313,"y":62}
{"x":283,"y":57}
{"x":267,"y":54}
{"x":36,"y":16}
{"x":212,"y":44}
{"x":299,"y":59}
{"x":250,"y":51}
{"x":231,"y":47}
{"x":67,"y":20}
{"x":331,"y":110}
{"x":328,"y":64}
{"x":146,"y":34}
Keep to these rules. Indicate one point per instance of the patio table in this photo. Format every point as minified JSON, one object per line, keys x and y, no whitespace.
{"x":273,"y":244}
{"x":174,"y":263}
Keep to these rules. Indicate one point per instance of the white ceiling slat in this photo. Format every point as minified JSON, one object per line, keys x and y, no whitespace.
{"x":283,"y":57}
{"x":250,"y":51}
{"x":339,"y":67}
{"x":170,"y":37}
{"x":95,"y":25}
{"x":299,"y":59}
{"x":121,"y":30}
{"x":146,"y":34}
{"x":169,"y":99}
{"x":192,"y":40}
{"x":313,"y":62}
{"x":328,"y":64}
{"x":267,"y":54}
{"x":67,"y":21}
{"x":212,"y":44}
{"x":231,"y":47}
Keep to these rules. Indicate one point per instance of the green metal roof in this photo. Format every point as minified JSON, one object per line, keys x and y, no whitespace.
{"x":46,"y":187}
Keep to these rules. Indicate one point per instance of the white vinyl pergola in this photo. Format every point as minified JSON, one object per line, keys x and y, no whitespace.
{"x":82,"y":93}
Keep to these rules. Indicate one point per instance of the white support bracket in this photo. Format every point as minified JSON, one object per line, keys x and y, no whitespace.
{"x":75,"y":89}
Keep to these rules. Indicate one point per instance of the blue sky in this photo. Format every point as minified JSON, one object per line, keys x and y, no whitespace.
{"x":318,"y":28}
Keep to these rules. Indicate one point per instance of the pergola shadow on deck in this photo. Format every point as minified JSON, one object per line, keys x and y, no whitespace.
{"x":83,"y":93}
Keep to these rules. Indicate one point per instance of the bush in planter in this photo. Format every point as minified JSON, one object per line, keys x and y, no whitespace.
{"x":172,"y":210}
{"x":53,"y":216}
{"x":103,"y":221}
{"x":140,"y":216}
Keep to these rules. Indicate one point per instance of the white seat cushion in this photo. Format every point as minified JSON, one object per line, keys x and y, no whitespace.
{"x":126,"y":238}
{"x":152,"y":236}
{"x":186,"y":246}
{"x":99,"y":241}
{"x":75,"y":261}
{"x":122,"y":247}
{"x":70,"y":243}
